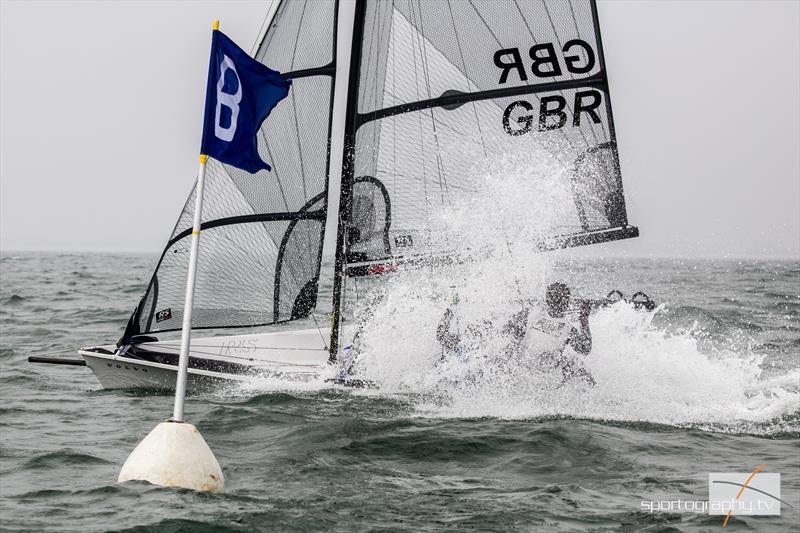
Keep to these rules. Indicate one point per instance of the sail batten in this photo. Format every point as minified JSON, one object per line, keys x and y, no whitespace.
{"x":452,"y":98}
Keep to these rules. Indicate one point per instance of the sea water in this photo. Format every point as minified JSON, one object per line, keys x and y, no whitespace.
{"x":706,"y":383}
{"x":709,"y":381}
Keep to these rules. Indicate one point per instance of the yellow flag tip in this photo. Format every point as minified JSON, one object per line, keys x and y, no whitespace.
{"x":216,"y":24}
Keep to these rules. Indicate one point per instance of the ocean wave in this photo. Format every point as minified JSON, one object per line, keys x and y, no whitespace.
{"x":61,"y":458}
{"x":15,"y":299}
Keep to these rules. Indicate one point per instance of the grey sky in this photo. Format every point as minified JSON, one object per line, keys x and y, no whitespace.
{"x":100,"y":113}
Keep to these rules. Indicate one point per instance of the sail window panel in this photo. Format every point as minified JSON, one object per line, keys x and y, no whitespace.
{"x":236,"y":275}
{"x":296,"y":281}
{"x":432,"y":160}
{"x":300,"y":36}
{"x":230,"y":280}
{"x":418,"y":49}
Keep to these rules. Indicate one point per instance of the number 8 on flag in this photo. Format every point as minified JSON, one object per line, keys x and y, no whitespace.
{"x":240,"y":95}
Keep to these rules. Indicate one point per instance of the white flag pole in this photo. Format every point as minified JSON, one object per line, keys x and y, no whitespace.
{"x":174,"y":454}
{"x":186,"y":331}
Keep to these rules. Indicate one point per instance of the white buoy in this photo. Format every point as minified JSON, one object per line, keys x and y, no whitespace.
{"x":174,"y":454}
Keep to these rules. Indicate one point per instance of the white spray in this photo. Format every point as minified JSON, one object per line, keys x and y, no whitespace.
{"x":642,"y":373}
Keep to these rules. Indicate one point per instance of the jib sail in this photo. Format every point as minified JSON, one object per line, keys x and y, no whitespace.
{"x":261,"y":251}
{"x":476,"y":74}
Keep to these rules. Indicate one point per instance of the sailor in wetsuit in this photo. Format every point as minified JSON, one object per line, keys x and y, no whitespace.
{"x":462,"y":345}
{"x":541,"y":331}
{"x":547,"y":333}
{"x":457,"y":343}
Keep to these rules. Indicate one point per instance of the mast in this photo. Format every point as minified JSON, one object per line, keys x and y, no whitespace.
{"x":348,"y":169}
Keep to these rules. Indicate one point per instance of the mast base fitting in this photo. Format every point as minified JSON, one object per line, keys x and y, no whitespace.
{"x":174,"y":454}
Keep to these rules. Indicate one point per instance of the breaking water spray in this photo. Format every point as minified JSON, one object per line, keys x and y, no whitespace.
{"x":643,"y":371}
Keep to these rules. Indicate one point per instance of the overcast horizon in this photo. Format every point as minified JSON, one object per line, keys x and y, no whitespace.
{"x":101,"y":106}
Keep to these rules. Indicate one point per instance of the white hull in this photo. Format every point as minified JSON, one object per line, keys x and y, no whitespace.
{"x":292,"y":355}
{"x":117,"y":372}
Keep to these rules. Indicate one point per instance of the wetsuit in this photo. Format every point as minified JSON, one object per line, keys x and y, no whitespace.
{"x":548,"y":337}
{"x":454,"y":342}
{"x":449,"y":340}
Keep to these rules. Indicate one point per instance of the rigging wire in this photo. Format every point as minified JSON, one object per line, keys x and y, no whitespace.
{"x":319,"y":330}
{"x":275,"y":166}
{"x":571,"y":75}
{"x":377,"y":26}
{"x":533,"y":38}
{"x":395,"y":101}
{"x":426,"y":77}
{"x":309,"y":244}
{"x":578,"y":33}
{"x":419,"y":115}
{"x":466,"y":77}
{"x":254,"y":48}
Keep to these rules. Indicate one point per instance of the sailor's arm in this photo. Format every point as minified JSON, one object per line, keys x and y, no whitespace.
{"x":517,"y":325}
{"x":581,"y":341}
{"x":449,"y":341}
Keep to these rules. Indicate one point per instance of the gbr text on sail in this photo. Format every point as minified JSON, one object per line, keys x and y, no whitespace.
{"x":546,"y":61}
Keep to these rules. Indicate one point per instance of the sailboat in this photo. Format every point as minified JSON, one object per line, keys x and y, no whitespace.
{"x":421,"y":74}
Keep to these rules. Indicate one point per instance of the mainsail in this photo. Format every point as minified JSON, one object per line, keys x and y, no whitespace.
{"x":261,"y":250}
{"x":427,"y":75}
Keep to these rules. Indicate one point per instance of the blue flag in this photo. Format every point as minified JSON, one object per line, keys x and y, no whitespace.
{"x":241,"y":93}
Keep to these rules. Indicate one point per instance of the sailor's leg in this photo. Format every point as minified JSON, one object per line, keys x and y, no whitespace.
{"x":585,"y":375}
{"x":570,"y":370}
